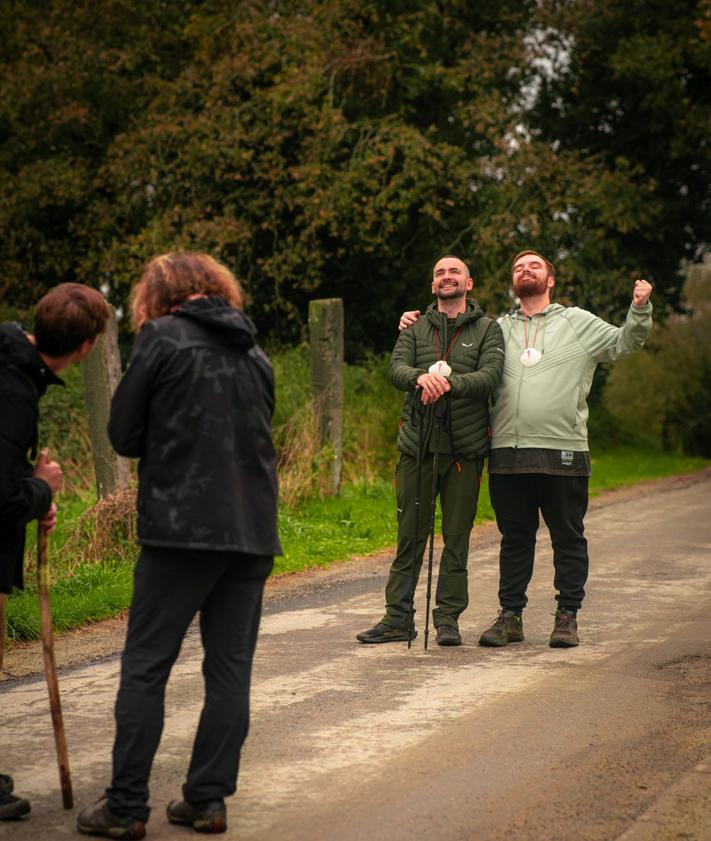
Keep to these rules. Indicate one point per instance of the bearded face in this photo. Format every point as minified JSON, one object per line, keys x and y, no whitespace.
{"x":530,"y":277}
{"x":450,"y":279}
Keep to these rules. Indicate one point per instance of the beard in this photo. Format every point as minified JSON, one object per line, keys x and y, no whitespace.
{"x":451,"y":292}
{"x":529,"y":286}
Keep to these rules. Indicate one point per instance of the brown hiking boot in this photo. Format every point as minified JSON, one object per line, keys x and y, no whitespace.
{"x":565,"y":629}
{"x":99,"y":820}
{"x":448,"y":635}
{"x":209,"y":817}
{"x":507,"y":627}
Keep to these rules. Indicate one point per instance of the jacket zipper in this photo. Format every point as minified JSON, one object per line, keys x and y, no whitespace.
{"x":518,"y":401}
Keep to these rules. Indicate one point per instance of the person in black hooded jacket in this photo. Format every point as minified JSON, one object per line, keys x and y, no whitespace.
{"x":195,"y":408}
{"x":68,"y":320}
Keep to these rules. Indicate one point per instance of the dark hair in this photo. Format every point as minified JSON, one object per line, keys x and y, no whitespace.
{"x":67,"y":316}
{"x":454,"y":257}
{"x":550,"y":268}
{"x":170,"y":279}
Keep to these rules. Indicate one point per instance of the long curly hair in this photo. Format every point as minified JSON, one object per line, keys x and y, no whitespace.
{"x":170,"y":279}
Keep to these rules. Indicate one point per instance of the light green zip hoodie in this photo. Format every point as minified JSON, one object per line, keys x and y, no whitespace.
{"x":546,"y":405}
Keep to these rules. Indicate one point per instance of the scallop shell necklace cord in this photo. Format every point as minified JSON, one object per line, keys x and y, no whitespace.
{"x":530,"y":355}
{"x":441,"y":367}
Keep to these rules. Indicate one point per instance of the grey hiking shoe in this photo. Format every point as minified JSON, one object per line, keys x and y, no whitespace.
{"x":565,"y":629}
{"x":11,"y":807}
{"x":507,"y":627}
{"x":202,"y":817}
{"x":99,"y":820}
{"x":384,"y":633}
{"x":448,"y":635}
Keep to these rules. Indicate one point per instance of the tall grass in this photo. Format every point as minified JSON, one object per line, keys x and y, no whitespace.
{"x":370,"y":416}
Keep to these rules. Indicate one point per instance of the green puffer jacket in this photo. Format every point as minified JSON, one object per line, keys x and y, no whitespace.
{"x":476,"y":360}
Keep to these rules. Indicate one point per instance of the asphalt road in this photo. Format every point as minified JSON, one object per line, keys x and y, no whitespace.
{"x":611,"y":740}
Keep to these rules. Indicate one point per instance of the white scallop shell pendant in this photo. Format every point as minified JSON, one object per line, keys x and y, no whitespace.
{"x":530,"y":357}
{"x":440,"y":367}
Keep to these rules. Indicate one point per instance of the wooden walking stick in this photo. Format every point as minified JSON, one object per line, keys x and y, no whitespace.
{"x":3,"y":627}
{"x":50,"y":668}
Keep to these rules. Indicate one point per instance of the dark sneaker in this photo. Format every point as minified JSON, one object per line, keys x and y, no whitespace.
{"x":448,"y":635}
{"x":385,"y":633}
{"x":98,"y":820}
{"x":11,"y":807}
{"x":507,"y":627}
{"x":203,"y":817}
{"x":565,"y":629}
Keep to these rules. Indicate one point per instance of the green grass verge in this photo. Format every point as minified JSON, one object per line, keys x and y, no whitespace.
{"x":93,"y":592}
{"x":316,"y":533}
{"x":629,"y":465}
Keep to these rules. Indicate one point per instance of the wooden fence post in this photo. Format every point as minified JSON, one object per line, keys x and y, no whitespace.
{"x":326,"y":336}
{"x":102,"y":371}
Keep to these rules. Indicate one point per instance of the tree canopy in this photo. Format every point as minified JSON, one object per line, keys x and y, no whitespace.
{"x":338,"y":147}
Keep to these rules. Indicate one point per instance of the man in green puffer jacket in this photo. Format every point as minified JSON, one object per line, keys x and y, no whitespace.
{"x":456,"y":332}
{"x":539,"y":459}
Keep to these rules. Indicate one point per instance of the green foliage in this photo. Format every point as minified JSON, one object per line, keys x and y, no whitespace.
{"x":628,"y":465}
{"x":665,"y":390}
{"x":630,"y":89}
{"x":606,"y":432}
{"x":370,"y":421}
{"x":371,"y":415}
{"x":338,"y":148}
{"x":319,"y":532}
{"x":94,"y":592}
{"x":63,"y":429}
{"x":72,"y":75}
{"x":92,"y":553}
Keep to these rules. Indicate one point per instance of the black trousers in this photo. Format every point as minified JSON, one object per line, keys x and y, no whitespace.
{"x":171,"y":586}
{"x":563,"y":501}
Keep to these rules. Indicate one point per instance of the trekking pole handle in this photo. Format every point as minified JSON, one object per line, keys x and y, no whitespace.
{"x":418,"y":407}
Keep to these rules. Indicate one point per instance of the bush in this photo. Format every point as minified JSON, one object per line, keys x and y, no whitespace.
{"x":665,"y":390}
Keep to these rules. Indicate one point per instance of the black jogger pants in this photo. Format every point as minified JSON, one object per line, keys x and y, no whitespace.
{"x":563,"y":501}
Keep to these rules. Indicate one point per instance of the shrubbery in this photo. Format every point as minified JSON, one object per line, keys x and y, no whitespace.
{"x":664,"y":392}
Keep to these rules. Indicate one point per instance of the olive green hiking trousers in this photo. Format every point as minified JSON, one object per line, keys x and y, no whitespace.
{"x":458,"y":489}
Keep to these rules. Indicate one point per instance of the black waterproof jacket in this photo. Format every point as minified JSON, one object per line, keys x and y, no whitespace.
{"x":23,"y":380}
{"x":195,"y":406}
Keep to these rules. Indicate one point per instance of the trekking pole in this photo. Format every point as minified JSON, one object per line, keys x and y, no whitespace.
{"x":50,"y":668}
{"x":418,"y":408}
{"x":438,"y":414}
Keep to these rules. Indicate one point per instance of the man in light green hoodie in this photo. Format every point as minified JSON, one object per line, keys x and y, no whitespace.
{"x":539,"y":460}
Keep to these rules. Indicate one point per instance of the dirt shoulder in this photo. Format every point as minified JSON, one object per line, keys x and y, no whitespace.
{"x":106,"y":638}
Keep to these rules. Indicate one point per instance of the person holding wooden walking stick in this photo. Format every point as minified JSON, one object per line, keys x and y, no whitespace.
{"x":68,"y":320}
